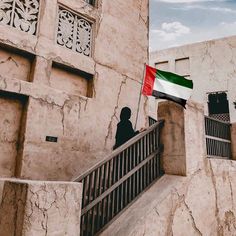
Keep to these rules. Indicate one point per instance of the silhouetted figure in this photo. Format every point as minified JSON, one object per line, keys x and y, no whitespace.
{"x":125,"y":129}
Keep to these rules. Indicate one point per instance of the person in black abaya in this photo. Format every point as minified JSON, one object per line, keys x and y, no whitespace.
{"x":125,"y":129}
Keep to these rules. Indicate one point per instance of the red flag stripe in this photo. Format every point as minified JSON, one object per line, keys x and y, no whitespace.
{"x":149,"y":80}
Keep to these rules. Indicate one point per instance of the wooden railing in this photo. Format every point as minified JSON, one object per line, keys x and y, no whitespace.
{"x":218,"y":138}
{"x":151,"y":121}
{"x":113,"y":183}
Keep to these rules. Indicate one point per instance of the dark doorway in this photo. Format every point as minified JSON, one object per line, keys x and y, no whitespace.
{"x":218,"y":106}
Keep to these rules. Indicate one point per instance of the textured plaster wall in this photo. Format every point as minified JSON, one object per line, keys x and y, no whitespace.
{"x":212,"y":67}
{"x":183,"y":137}
{"x":85,"y":126}
{"x":40,"y":208}
{"x":201,"y":204}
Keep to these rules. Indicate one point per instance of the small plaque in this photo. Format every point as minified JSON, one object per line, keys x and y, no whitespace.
{"x":51,"y":139}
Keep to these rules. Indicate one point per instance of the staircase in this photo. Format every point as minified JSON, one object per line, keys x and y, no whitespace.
{"x":111,"y":185}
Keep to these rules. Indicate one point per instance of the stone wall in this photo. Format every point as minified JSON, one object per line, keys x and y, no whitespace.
{"x":40,"y":208}
{"x":73,"y":96}
{"x":183,"y":136}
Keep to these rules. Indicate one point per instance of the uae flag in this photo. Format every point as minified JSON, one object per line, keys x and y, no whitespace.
{"x":167,"y":85}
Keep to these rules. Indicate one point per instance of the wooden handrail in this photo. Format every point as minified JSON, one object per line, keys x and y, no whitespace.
{"x":119,"y":150}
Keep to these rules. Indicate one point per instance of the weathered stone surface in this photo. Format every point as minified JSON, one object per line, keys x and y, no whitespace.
{"x":173,"y":138}
{"x":201,"y":204}
{"x":85,"y":127}
{"x":194,"y":132}
{"x":183,"y":137}
{"x":40,"y":208}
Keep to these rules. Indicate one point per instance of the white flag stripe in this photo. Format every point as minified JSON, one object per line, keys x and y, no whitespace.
{"x":172,"y":89}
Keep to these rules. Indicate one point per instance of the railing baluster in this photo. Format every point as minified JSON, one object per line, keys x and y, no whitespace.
{"x":147,"y":146}
{"x":82,"y":222}
{"x":144,"y":177}
{"x":103,"y":211}
{"x":117,"y":200}
{"x":130,"y":189}
{"x":148,"y":173}
{"x":105,"y":177}
{"x":85,"y":190}
{"x":93,"y":216}
{"x":118,"y":166}
{"x":114,"y":171}
{"x":129,"y":179}
{"x":138,"y":172}
{"x":99,"y":215}
{"x":108,"y":175}
{"x":122,"y":170}
{"x":151,"y":170}
{"x":100,"y":180}
{"x":88,"y":224}
{"x":126,"y":171}
{"x":96,"y":180}
{"x":135,"y":164}
{"x":109,"y":207}
{"x":110,"y":163}
{"x":92,"y":186}
{"x":141,"y":157}
{"x":112,"y":204}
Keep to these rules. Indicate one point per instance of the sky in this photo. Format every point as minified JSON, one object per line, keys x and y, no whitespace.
{"x":178,"y":22}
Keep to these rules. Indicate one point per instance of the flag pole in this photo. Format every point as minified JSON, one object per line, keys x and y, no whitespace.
{"x":140,"y":94}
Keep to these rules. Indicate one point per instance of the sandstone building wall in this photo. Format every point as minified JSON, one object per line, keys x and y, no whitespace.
{"x":66,"y":71}
{"x":40,"y":208}
{"x":210,"y":64}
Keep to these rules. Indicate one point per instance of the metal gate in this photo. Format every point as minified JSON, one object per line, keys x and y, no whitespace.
{"x":218,"y":138}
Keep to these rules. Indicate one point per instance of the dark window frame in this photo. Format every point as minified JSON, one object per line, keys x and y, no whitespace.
{"x":218,"y":103}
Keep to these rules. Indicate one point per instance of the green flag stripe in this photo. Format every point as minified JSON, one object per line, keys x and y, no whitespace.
{"x":173,"y":78}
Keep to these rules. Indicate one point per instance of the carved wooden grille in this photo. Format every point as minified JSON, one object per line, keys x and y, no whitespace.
{"x":20,"y":14}
{"x":223,"y":117}
{"x":74,"y":32}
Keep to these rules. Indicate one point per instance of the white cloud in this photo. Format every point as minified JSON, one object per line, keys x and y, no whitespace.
{"x":222,"y":9}
{"x":228,"y":26}
{"x":207,"y":8}
{"x":223,"y":29}
{"x":189,"y":1}
{"x":171,"y":31}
